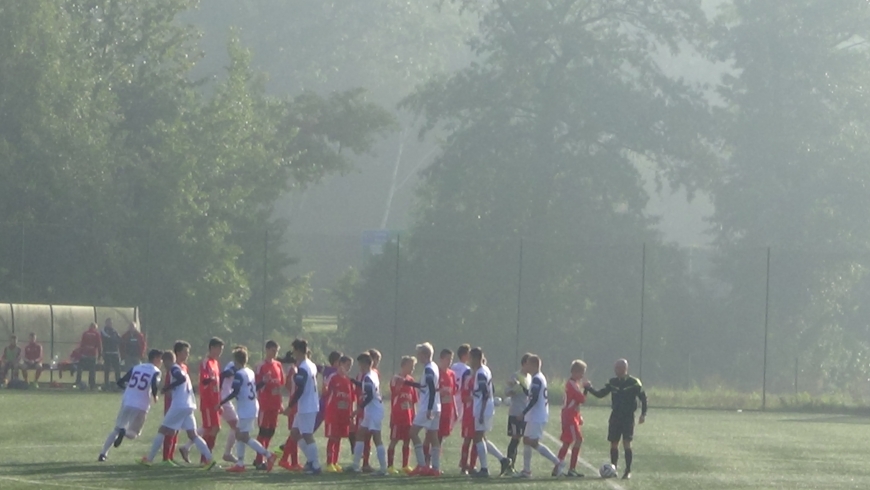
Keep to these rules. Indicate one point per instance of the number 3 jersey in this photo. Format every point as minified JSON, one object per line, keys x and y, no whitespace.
{"x":244,"y":385}
{"x":142,"y":383}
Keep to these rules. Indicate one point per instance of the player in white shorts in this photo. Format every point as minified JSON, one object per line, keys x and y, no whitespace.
{"x":228,"y":410}
{"x":459,"y":368}
{"x":140,"y":384}
{"x":305,"y":397}
{"x":180,"y":415}
{"x":428,"y":415}
{"x":245,"y":391}
{"x":536,"y":414}
{"x":372,"y":409}
{"x":484,"y":411}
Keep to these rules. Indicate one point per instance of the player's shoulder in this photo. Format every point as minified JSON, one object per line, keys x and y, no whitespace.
{"x":634,"y":381}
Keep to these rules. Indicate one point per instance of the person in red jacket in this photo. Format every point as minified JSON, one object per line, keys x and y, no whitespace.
{"x":91,"y":347}
{"x":133,"y":346}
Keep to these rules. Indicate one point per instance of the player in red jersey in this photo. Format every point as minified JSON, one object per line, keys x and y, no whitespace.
{"x":270,"y":379}
{"x":182,"y":352}
{"x":468,"y":456}
{"x":32,"y":358}
{"x":403,"y":398}
{"x":571,"y":418}
{"x":209,"y":398}
{"x":340,"y":397}
{"x":290,"y":457}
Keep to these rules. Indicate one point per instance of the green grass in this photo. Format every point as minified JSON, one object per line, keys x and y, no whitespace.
{"x":51,"y":440}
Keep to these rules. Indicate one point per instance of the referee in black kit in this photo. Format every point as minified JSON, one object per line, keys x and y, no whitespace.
{"x":625,"y":390}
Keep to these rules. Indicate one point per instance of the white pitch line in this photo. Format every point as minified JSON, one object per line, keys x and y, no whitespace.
{"x":45,"y":446}
{"x":42,"y":483}
{"x":613,"y":484}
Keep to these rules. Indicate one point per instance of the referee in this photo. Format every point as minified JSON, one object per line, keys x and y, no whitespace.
{"x":625,"y":391}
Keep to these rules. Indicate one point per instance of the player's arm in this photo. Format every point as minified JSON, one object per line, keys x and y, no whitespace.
{"x":300,"y":379}
{"x":430,"y":383}
{"x":226,"y":374}
{"x":122,"y":383}
{"x":155,"y":386}
{"x":39,"y":357}
{"x":237,"y":388}
{"x":534,"y":395}
{"x":178,"y":378}
{"x":368,"y":395}
{"x":206,"y":377}
{"x":356,"y":382}
{"x":484,"y":394}
{"x":259,"y":379}
{"x":598,"y":393}
{"x":643,"y":403}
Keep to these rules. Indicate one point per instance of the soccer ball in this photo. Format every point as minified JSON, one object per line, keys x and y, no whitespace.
{"x":607,"y":470}
{"x":496,"y":401}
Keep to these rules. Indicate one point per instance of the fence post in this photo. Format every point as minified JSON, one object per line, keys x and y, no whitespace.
{"x":51,"y":350}
{"x":795,"y":379}
{"x":642,"y":297}
{"x":265,"y":278}
{"x":21,"y":267}
{"x":519,"y":300}
{"x":396,"y":303}
{"x":766,"y":316}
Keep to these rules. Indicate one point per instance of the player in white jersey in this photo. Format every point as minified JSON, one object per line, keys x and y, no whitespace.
{"x":484,"y":410}
{"x":460,"y":368}
{"x":228,"y":410}
{"x":140,"y":384}
{"x":371,"y":408}
{"x":428,"y":416}
{"x":536,"y":414}
{"x":245,"y":391}
{"x":180,"y":414}
{"x":307,"y":403}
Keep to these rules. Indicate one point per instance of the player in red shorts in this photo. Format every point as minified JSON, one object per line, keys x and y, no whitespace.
{"x":403,"y":398}
{"x":209,"y":398}
{"x":290,"y":457}
{"x":468,"y":456}
{"x":571,"y":419}
{"x":340,"y":397}
{"x":182,"y":352}
{"x":270,"y":379}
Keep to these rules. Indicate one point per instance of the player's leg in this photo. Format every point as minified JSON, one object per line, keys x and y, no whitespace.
{"x":380,"y":451}
{"x":391,"y":449}
{"x":358,"y":448}
{"x":305,"y":427}
{"x":228,"y":413}
{"x":24,"y":367}
{"x":627,"y":437}
{"x":418,"y":444}
{"x":367,"y":452}
{"x":189,"y":425}
{"x":614,"y":434}
{"x":38,"y":372}
{"x":406,"y":450}
{"x":434,"y":444}
{"x":164,"y":432}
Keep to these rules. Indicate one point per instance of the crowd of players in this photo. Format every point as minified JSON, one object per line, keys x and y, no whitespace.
{"x":422,"y":412}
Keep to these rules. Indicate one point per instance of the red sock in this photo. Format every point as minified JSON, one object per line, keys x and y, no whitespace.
{"x":169,"y":447}
{"x":292,"y":447}
{"x":391,"y":455}
{"x":473,"y":462}
{"x":575,"y":454}
{"x":367,"y":451}
{"x":463,"y":458}
{"x":285,"y":457}
{"x":406,"y":454}
{"x":563,"y":451}
{"x":333,"y":447}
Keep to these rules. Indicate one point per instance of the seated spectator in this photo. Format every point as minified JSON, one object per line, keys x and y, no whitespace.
{"x":9,"y":360}
{"x":91,"y":347}
{"x":32,"y":358}
{"x":71,"y":364}
{"x":111,"y":342}
{"x":132,"y":346}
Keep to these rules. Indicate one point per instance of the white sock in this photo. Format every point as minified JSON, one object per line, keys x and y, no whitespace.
{"x":256,"y":446}
{"x":420,"y":455}
{"x":481,"y":454}
{"x":202,"y":447}
{"x":189,"y":443}
{"x":311,"y":453}
{"x":109,"y":441}
{"x":156,"y":446}
{"x":358,"y":447}
{"x":527,"y":458}
{"x":492,"y":449}
{"x":382,"y":457}
{"x":545,"y":452}
{"x":231,"y":441}
{"x":240,"y":453}
{"x":435,"y":453}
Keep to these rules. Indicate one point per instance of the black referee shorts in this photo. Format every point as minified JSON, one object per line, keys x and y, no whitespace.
{"x":621,"y":426}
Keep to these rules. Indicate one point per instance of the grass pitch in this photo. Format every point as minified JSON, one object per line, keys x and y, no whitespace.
{"x":51,"y":440}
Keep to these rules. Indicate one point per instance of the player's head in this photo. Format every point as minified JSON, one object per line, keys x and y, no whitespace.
{"x":132,"y":326}
{"x":365,"y":362}
{"x":534,"y":364}
{"x":334,"y":357}
{"x":475,"y":357}
{"x":445,"y":358}
{"x":425,"y":351}
{"x":240,"y":357}
{"x":168,"y":358}
{"x":407,"y":365}
{"x":345,"y":363}
{"x":215,"y":347}
{"x":621,"y":368}
{"x":300,"y":349}
{"x":33,"y":336}
{"x":462,"y":353}
{"x":288,"y":358}
{"x":376,"y":357}
{"x":93,"y":326}
{"x":578,"y":369}
{"x":13,"y":339}
{"x":181,"y":349}
{"x":108,"y":322}
{"x":155,"y":357}
{"x":524,"y":361}
{"x":272,"y":349}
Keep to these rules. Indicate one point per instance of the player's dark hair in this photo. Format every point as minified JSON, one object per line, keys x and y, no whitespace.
{"x":365,"y":359}
{"x":375,"y":354}
{"x":344,"y":359}
{"x":168,"y":358}
{"x":462,"y":351}
{"x":179,"y":346}
{"x":154,"y":354}
{"x":240,"y":356}
{"x":288,"y":358}
{"x":300,"y":345}
{"x":476,"y":353}
{"x":534,"y":360}
{"x":446,"y":353}
{"x":525,"y":357}
{"x":271,"y":344}
{"x":334,"y":357}
{"x":215,"y":342}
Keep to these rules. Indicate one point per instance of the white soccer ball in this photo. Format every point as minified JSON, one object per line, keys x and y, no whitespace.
{"x":607,"y":470}
{"x":497,"y":401}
